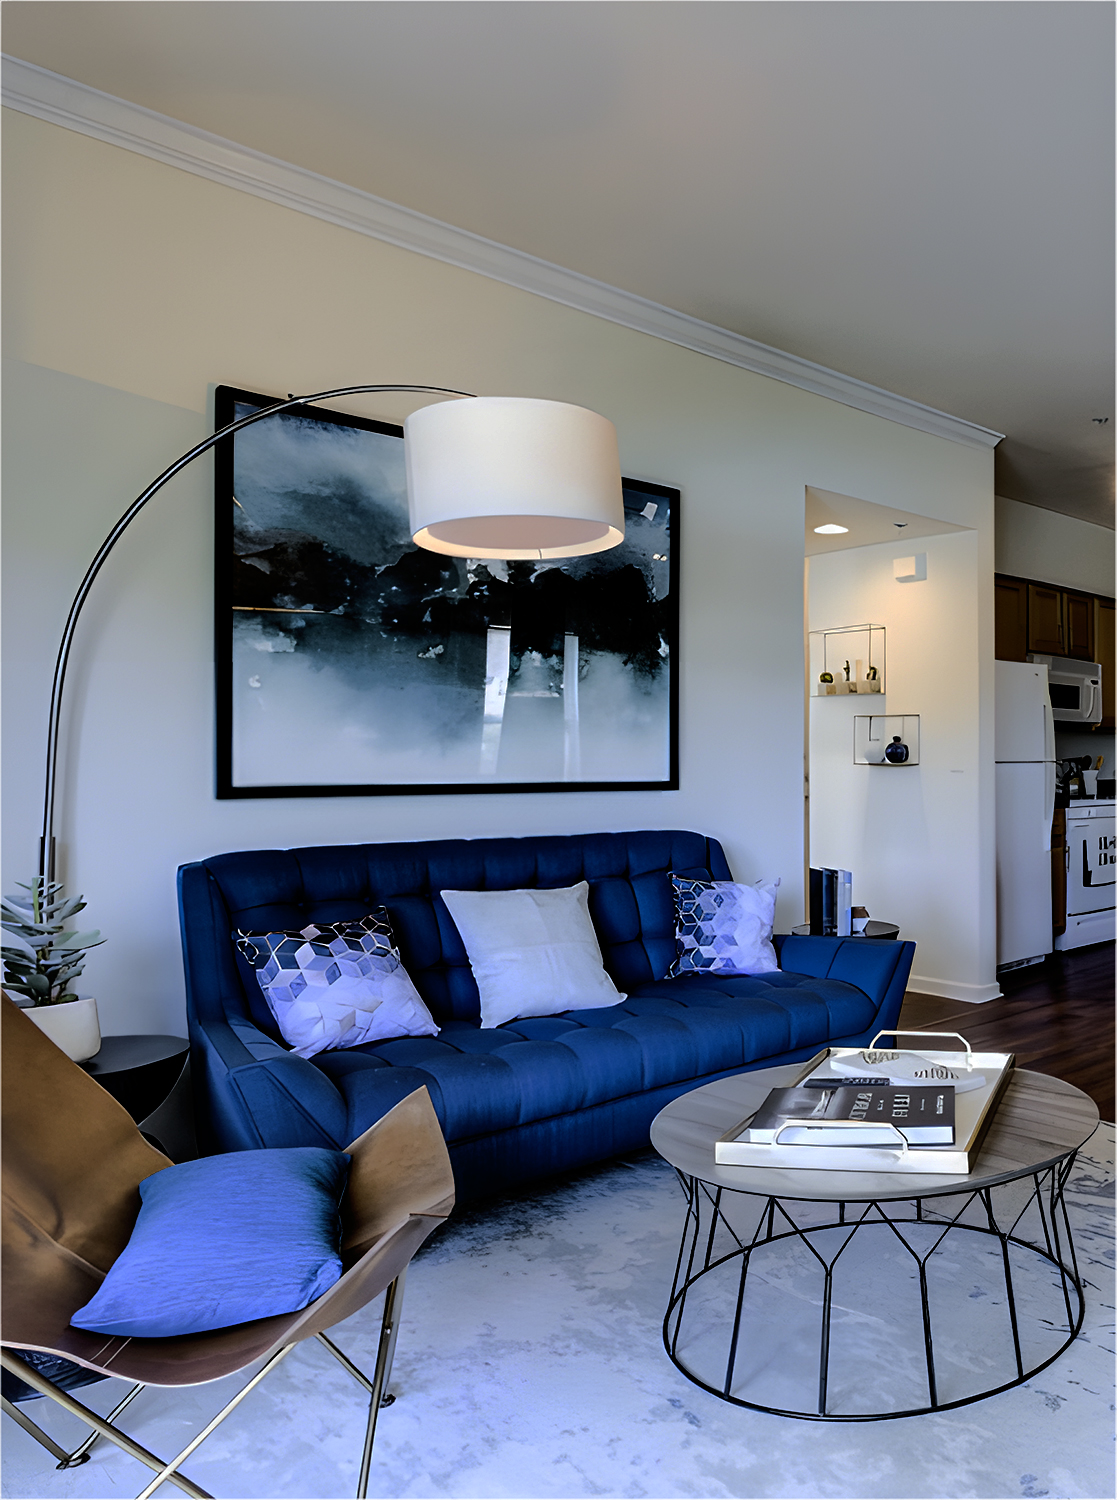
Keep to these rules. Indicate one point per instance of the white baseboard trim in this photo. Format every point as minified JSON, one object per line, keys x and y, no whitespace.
{"x":63,"y":101}
{"x":972,"y":994}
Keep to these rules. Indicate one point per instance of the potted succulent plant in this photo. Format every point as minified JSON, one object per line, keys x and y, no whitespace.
{"x":43,"y":954}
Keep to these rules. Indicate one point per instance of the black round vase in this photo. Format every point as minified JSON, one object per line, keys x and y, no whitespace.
{"x":897,"y":752}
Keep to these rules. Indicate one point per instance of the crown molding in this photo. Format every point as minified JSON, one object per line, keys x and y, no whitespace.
{"x":62,"y":101}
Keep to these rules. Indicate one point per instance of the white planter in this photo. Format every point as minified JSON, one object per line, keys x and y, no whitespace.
{"x":73,"y":1027}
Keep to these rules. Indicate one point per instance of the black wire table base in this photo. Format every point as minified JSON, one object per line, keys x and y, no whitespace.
{"x":760,"y":1280}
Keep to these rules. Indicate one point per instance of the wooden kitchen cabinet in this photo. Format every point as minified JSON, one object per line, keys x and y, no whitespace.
{"x":1045,"y":620}
{"x":1104,"y":619}
{"x":1078,"y":626}
{"x":1010,"y":619}
{"x":1030,"y":616}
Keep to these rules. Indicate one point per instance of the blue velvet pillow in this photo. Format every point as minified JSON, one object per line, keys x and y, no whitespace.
{"x":225,"y":1240}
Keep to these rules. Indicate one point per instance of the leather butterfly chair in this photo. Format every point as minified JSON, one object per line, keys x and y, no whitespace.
{"x":72,"y":1162}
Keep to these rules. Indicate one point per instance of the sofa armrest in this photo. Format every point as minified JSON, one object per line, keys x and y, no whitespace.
{"x":252,"y":1094}
{"x":287,"y":1101}
{"x":879,"y":969}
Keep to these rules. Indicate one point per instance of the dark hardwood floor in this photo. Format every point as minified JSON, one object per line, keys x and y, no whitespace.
{"x":1056,"y":1016}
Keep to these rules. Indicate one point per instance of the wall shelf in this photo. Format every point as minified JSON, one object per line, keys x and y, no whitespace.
{"x":861,"y":648}
{"x":873,"y":733}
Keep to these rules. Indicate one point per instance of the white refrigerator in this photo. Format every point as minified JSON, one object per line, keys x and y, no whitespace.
{"x":1025,"y":756}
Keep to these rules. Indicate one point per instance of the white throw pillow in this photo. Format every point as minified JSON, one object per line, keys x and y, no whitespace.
{"x":533,"y":953}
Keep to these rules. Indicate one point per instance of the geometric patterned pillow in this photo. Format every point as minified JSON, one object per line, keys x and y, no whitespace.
{"x":336,"y":986}
{"x":722,"y":927}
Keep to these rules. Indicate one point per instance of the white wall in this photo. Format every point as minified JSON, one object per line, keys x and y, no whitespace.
{"x":132,"y":289}
{"x":907,"y":833}
{"x":1034,"y":543}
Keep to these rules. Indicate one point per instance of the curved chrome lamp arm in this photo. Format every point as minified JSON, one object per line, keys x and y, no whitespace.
{"x":46,"y":843}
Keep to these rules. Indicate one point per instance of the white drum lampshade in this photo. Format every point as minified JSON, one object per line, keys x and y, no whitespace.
{"x":512,"y":477}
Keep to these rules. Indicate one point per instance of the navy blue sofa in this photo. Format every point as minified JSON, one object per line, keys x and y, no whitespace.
{"x":534,"y":1096}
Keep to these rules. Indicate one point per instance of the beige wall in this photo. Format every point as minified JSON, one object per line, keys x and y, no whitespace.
{"x":133,"y":288}
{"x":1034,"y":543}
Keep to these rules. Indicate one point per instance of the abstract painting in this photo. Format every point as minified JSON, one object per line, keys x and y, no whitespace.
{"x":351,"y":662}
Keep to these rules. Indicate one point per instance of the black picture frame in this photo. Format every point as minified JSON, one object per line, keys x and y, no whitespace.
{"x":300,"y":583}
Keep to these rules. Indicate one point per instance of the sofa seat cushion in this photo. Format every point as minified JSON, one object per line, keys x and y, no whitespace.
{"x":787,"y":1010}
{"x":487,"y":1080}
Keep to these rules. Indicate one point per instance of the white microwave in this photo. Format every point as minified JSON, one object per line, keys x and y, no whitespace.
{"x":1075,"y":688}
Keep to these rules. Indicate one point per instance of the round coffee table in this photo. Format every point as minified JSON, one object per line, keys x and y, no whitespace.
{"x":859,"y":1296}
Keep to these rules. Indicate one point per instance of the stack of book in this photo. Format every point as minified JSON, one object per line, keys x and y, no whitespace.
{"x":864,"y":1111}
{"x":831,"y":898}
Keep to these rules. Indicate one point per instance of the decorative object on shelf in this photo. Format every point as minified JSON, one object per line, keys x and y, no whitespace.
{"x":886,"y":740}
{"x":43,"y":955}
{"x":523,"y":433}
{"x":847,"y":659}
{"x":858,"y":920}
{"x":410,"y":671}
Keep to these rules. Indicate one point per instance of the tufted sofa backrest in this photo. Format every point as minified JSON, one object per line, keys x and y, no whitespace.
{"x":286,"y":889}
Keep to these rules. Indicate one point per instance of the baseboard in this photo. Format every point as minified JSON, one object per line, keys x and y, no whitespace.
{"x":947,"y":989}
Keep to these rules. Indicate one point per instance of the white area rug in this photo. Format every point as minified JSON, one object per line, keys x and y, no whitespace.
{"x":530,"y":1363}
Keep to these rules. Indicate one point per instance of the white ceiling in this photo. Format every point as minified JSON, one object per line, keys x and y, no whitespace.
{"x":916,"y":194}
{"x":866,"y":523}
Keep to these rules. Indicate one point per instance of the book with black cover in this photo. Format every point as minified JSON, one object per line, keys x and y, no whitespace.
{"x":823,"y":903}
{"x":831,"y":897}
{"x":867,"y":1116}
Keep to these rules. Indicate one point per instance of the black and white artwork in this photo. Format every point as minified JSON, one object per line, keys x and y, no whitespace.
{"x":350,"y":661}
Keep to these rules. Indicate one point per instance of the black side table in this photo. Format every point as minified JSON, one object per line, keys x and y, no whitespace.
{"x":873,"y":929}
{"x":150,"y":1076}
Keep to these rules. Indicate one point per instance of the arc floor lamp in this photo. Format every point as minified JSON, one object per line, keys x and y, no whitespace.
{"x":487,"y":477}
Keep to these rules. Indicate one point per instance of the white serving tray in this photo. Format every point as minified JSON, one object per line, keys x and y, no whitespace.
{"x":973,"y":1114}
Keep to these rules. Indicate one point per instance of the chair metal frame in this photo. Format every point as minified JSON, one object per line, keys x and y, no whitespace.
{"x":80,"y":1454}
{"x":379,"y":1397}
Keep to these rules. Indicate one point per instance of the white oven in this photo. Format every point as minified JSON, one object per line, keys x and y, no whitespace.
{"x":1091,"y":874}
{"x":1075,"y":688}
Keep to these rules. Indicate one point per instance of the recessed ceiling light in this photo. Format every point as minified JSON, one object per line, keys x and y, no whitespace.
{"x":830,"y":529}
